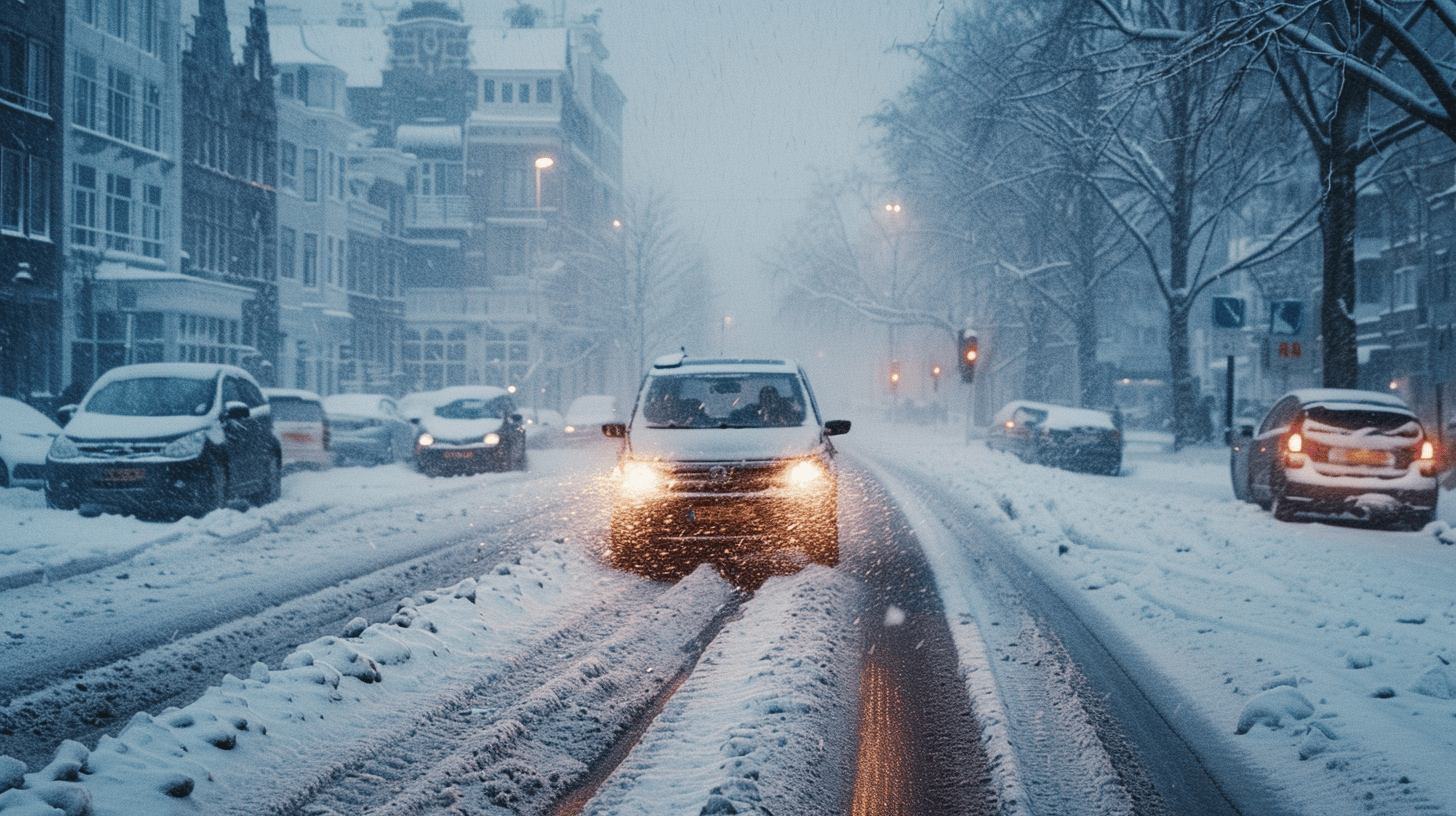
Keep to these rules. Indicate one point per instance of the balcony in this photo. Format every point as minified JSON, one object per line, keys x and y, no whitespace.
{"x":438,"y":212}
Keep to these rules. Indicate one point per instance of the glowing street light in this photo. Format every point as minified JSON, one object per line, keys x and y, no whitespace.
{"x":542,"y":163}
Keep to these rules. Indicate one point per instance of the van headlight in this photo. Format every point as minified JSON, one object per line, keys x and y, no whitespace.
{"x":63,"y":448}
{"x":805,"y":473}
{"x":186,"y":447}
{"x":640,"y":477}
{"x":425,"y":440}
{"x":492,"y":438}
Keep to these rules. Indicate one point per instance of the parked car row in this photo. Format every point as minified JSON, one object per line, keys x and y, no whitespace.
{"x":1081,"y":439}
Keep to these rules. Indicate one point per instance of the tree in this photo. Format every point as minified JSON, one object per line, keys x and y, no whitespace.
{"x":645,"y":284}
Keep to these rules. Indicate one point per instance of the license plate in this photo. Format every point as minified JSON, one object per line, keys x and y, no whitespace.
{"x":458,"y":454}
{"x":123,"y":474}
{"x":712,"y":513}
{"x":298,"y":437}
{"x":1360,"y":456}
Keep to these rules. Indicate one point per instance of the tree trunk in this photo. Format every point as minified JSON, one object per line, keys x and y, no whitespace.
{"x":1337,"y":234}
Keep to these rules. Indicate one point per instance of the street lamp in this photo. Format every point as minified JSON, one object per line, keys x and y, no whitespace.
{"x":542,"y":163}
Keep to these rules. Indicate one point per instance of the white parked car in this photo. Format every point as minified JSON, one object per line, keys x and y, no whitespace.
{"x":301,"y":428}
{"x":25,"y":436}
{"x":367,"y":428}
{"x":544,"y":427}
{"x":586,"y":416}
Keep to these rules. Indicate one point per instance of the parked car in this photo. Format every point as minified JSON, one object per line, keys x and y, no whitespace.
{"x":586,"y":415}
{"x":166,"y":439}
{"x":1081,"y":439}
{"x":722,"y":458}
{"x":544,"y":427}
{"x":367,"y":428}
{"x":470,"y":429}
{"x":1337,"y":452}
{"x":25,"y":436}
{"x":301,"y":428}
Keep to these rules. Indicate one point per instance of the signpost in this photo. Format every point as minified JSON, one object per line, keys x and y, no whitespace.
{"x":1229,"y":314}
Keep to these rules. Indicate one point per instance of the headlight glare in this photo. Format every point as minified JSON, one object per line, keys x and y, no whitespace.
{"x":186,"y":447}
{"x":805,"y":473}
{"x":63,"y":448}
{"x":425,"y":440}
{"x":640,"y":477}
{"x":492,"y":439}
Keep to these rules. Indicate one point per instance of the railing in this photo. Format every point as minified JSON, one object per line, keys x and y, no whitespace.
{"x":438,"y":212}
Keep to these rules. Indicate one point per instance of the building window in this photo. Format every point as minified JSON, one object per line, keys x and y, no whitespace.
{"x":1403,"y":287}
{"x":302,"y":89}
{"x":285,"y":85}
{"x":118,"y":212}
{"x":118,"y":22}
{"x":38,"y":223}
{"x":12,"y":191}
{"x":310,"y":259}
{"x":287,"y":253}
{"x":119,"y":104}
{"x":150,"y":27}
{"x":310,"y":174}
{"x":83,"y":205}
{"x":288,"y":165}
{"x":543,"y":91}
{"x":25,"y":78}
{"x":83,"y":112}
{"x":151,"y":217}
{"x":525,"y":93}
{"x":487,"y":90}
{"x":341,"y":178}
{"x":152,"y":117}
{"x":508,"y":91}
{"x":1369,"y":283}
{"x":1441,"y":268}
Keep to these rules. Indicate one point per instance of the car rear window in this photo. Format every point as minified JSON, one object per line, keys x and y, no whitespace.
{"x":154,"y":396}
{"x":291,"y":409}
{"x":724,"y":400}
{"x":1373,"y":421}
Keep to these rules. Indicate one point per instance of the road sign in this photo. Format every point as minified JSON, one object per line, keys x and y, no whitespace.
{"x":1228,"y":312}
{"x":1286,"y":317}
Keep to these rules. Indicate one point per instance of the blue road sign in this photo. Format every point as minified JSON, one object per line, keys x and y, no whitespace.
{"x":1228,"y":312}
{"x":1286,"y":316}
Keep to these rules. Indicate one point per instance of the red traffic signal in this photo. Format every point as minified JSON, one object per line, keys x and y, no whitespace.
{"x":967,"y":353}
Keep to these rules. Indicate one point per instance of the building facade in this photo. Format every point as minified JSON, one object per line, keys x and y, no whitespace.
{"x":229,"y":179}
{"x":32,"y":37}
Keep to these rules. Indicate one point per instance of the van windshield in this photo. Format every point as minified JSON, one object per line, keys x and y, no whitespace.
{"x":724,"y":401}
{"x":471,"y":409}
{"x":155,"y":397}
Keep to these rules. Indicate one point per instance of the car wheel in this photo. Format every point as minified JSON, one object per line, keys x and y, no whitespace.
{"x":272,"y":483}
{"x":212,"y":493}
{"x":1282,"y":508}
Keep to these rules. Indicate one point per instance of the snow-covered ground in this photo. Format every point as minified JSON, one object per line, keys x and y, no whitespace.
{"x":1317,"y":653}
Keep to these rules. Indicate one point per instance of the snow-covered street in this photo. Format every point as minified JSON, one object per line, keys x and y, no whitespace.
{"x":1305,"y":665}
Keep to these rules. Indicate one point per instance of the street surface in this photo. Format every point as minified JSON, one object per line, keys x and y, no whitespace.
{"x":382,"y":642}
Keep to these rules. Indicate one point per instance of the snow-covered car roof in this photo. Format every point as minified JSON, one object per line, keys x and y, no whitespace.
{"x":674,"y":363}
{"x":450,"y":393}
{"x":1062,"y":416}
{"x":591,"y":408}
{"x":193,"y":371}
{"x":355,"y":404}
{"x":1350,"y":399}
{"x":17,"y":417}
{"x":292,"y":393}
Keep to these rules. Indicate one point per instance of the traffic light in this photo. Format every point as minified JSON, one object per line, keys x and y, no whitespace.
{"x":967,"y":353}
{"x":895,"y":374}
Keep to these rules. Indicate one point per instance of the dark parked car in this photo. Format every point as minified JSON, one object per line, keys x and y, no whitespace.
{"x":166,"y":439}
{"x":367,"y":428}
{"x":1082,"y":439}
{"x":722,"y":458}
{"x":470,"y":429}
{"x":1337,"y":452}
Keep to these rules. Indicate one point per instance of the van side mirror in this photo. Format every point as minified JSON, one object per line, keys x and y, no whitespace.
{"x":615,"y":430}
{"x":836,"y":427}
{"x":236,"y":410}
{"x":65,"y":412}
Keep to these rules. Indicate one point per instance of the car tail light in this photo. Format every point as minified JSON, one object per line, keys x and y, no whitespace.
{"x":1294,"y":450}
{"x":1428,"y":458}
